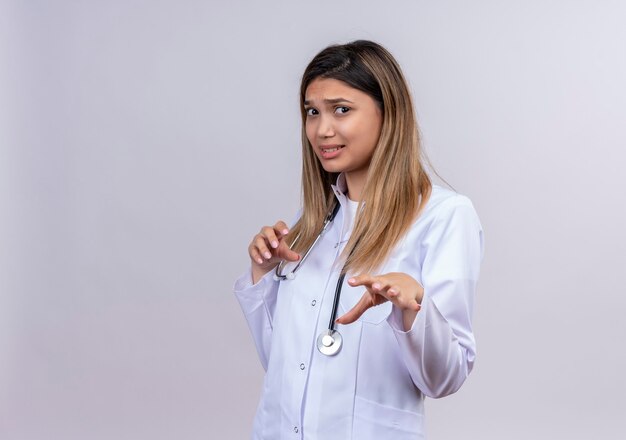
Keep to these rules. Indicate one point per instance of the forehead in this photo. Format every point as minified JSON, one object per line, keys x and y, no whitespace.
{"x":330,"y":88}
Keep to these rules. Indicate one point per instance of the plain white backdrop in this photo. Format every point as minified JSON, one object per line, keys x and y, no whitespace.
{"x":143,"y":143}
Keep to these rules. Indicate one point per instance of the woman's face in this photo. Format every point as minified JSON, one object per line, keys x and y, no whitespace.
{"x":343,"y":125}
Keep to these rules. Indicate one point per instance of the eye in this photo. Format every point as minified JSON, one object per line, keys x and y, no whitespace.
{"x":310,"y":111}
{"x":342,"y":110}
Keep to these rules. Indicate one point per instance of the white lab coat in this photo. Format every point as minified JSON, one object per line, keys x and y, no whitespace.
{"x":374,"y":387}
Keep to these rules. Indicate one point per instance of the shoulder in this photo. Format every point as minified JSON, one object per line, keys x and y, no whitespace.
{"x":445,"y":214}
{"x":452,"y":236}
{"x":444,"y":202}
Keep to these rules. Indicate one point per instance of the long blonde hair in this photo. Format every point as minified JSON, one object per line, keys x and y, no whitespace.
{"x":397,"y":185}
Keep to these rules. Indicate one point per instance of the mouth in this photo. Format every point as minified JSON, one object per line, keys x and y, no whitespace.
{"x":331,"y":148}
{"x":330,"y":151}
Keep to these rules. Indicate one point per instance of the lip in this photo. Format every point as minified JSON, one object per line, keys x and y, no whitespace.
{"x":326,"y":154}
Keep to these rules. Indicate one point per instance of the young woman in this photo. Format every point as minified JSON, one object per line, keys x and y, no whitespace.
{"x":370,"y":309}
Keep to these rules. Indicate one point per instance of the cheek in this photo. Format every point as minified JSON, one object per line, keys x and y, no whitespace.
{"x":310,"y":135}
{"x":369,"y":134}
{"x":375,"y":135}
{"x":373,"y":131}
{"x":310,"y":131}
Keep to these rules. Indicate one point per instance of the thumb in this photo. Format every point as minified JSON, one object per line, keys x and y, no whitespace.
{"x":355,"y":312}
{"x":285,"y":253}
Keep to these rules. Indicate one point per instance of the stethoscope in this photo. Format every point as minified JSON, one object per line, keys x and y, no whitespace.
{"x":330,"y":340}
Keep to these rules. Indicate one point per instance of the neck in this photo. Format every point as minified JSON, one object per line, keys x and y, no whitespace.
{"x":355,"y":182}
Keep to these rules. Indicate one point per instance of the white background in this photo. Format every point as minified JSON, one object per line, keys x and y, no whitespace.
{"x":143,"y":143}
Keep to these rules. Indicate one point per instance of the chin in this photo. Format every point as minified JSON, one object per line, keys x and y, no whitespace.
{"x":333,"y":169}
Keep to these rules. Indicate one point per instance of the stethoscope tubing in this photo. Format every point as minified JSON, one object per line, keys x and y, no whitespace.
{"x":333,"y":314}
{"x":329,"y":342}
{"x":278,"y":275}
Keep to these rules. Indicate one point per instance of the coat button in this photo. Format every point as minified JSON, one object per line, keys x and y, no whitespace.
{"x":313,"y":303}
{"x":302,"y":366}
{"x":295,"y":429}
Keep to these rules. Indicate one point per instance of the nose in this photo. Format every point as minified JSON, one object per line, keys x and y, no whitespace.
{"x":326,"y":128}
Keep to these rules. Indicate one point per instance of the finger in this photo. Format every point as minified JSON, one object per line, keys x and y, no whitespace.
{"x":381,"y":285}
{"x":355,"y":312}
{"x":395,"y":296}
{"x":287,"y":254}
{"x":254,"y":254}
{"x":414,"y":306}
{"x":362,"y":280}
{"x":374,"y":284}
{"x":270,"y":236}
{"x":393,"y":291}
{"x":261,"y":245}
{"x":281,"y":228}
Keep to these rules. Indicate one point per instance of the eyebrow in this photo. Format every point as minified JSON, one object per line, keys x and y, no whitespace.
{"x":331,"y":101}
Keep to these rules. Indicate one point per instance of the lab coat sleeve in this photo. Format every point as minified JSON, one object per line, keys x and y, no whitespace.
{"x":258,"y":302}
{"x":439,"y":349}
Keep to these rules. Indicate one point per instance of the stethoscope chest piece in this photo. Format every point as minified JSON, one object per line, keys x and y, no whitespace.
{"x":329,"y":342}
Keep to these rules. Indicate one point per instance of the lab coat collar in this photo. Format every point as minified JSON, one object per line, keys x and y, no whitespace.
{"x":340,"y":188}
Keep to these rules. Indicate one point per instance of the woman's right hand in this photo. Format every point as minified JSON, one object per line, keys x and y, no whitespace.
{"x":268,"y":248}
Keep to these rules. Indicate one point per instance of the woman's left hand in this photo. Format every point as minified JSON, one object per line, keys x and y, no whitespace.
{"x":399,"y":288}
